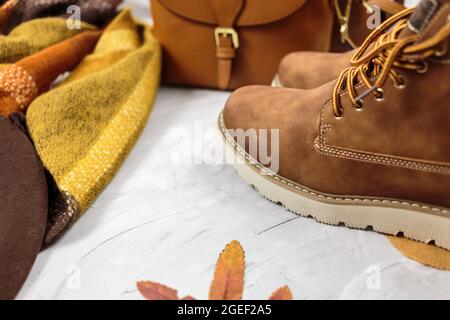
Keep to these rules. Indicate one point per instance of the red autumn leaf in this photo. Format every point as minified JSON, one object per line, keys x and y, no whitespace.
{"x":156,"y":291}
{"x":283,"y":293}
{"x":228,"y":282}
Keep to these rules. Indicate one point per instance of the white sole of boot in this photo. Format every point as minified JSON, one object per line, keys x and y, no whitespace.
{"x":416,"y":221}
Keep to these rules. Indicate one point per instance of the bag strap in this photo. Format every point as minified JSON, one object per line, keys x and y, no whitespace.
{"x":226,"y":37}
{"x":388,"y":6}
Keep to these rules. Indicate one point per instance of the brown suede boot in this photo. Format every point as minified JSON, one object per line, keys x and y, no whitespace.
{"x":309,"y":70}
{"x":370,"y":150}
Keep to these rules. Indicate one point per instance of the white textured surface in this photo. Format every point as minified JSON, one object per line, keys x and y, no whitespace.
{"x":167,"y":222}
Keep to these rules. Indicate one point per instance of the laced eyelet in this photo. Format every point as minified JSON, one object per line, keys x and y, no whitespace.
{"x":359,"y":105}
{"x":441,"y":52}
{"x":423,"y":69}
{"x":401,"y":84}
{"x":339,"y":116}
{"x":379,"y":96}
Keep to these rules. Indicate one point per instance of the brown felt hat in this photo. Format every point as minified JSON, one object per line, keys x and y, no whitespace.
{"x":23,"y":205}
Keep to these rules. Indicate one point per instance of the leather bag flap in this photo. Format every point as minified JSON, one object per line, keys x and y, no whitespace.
{"x":255,"y":12}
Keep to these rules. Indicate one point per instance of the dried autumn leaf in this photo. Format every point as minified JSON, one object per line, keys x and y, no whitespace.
{"x":283,"y":293}
{"x":156,"y":291}
{"x":228,"y":282}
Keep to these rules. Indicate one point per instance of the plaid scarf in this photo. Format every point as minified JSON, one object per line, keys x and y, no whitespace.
{"x":85,"y":127}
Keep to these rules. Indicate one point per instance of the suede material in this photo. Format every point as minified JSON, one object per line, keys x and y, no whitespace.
{"x":397,"y":148}
{"x":296,"y":113}
{"x":404,"y":123}
{"x":309,"y":70}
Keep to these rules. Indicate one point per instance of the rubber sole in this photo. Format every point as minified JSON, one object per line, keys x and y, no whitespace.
{"x":416,"y":221}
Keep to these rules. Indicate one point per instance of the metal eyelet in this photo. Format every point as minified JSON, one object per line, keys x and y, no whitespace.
{"x":359,"y":105}
{"x":441,"y":52}
{"x":423,"y":69}
{"x":339,"y":116}
{"x":400,"y":85}
{"x":380,"y":93}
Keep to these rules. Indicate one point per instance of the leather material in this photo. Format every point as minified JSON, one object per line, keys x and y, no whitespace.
{"x":397,"y":148}
{"x":267,"y":32}
{"x":226,"y":13}
{"x":23,"y":209}
{"x":225,"y":55}
{"x":257,"y":12}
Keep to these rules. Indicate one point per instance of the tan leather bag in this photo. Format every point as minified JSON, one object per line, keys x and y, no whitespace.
{"x":227,"y":44}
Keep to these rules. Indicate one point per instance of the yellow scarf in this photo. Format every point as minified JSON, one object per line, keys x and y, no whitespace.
{"x":84,"y":129}
{"x":33,"y":36}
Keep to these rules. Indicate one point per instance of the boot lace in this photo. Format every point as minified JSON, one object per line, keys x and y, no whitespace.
{"x":387,"y":55}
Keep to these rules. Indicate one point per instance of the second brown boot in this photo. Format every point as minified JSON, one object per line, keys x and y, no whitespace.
{"x":309,"y":70}
{"x":370,"y":150}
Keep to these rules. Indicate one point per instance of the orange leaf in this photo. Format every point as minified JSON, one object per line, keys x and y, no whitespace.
{"x":228,"y":282}
{"x":156,"y":291}
{"x":188,"y":298}
{"x":283,"y":293}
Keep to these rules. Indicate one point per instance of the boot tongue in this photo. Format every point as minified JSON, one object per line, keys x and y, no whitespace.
{"x":423,"y":15}
{"x":428,"y":17}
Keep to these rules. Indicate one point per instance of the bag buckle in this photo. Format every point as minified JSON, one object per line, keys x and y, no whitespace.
{"x":226,"y":32}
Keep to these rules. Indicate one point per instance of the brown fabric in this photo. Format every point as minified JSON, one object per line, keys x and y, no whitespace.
{"x":23,"y":81}
{"x":267,"y":31}
{"x":96,"y":12}
{"x":63,"y":212}
{"x":23,"y":210}
{"x":382,"y":150}
{"x":6,"y":12}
